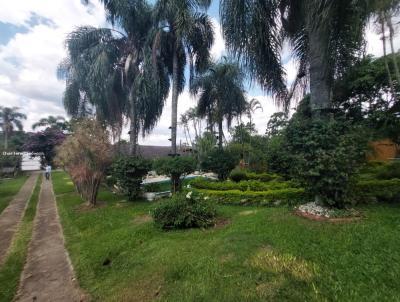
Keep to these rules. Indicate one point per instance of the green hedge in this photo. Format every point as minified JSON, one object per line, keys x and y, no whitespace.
{"x":377,"y":190}
{"x":246,"y":185}
{"x":238,"y":175}
{"x":236,"y":197}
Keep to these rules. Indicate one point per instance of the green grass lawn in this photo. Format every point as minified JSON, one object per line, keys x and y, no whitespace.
{"x":8,"y":188}
{"x":12,"y":268}
{"x":262,"y":254}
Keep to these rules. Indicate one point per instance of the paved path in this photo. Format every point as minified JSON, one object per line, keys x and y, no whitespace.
{"x":12,"y":215}
{"x":48,"y":274}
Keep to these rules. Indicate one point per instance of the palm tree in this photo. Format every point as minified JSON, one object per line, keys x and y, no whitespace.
{"x":113,"y":70}
{"x":386,"y":11}
{"x":52,"y":122}
{"x":220,"y":90}
{"x":252,"y":107}
{"x":185,"y":35}
{"x":10,"y":118}
{"x":325,"y":37}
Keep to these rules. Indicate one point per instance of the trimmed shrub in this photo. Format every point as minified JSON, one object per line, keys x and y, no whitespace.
{"x":377,"y":190}
{"x":238,"y":175}
{"x":220,"y":162}
{"x":246,"y":185}
{"x":183,"y":212}
{"x":175,"y":167}
{"x":288,"y":196}
{"x":128,"y":173}
{"x":389,"y":171}
{"x":263,"y":176}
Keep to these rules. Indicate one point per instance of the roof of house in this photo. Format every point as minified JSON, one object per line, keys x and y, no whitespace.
{"x":151,"y":152}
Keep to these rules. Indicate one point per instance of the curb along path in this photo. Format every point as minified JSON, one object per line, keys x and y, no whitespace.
{"x":13,"y":213}
{"x":48,"y":273}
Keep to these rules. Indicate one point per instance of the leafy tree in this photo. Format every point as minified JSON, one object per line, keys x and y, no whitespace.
{"x":325,"y":155}
{"x":9,"y":119}
{"x":45,"y":142}
{"x":220,"y":162}
{"x":325,"y":37}
{"x":113,"y":70}
{"x":364,"y":95}
{"x":221,"y":93}
{"x":175,"y":167}
{"x":86,"y":155}
{"x":129,"y":173}
{"x":204,"y":145}
{"x":185,"y":35}
{"x":57,"y":122}
{"x":277,"y":122}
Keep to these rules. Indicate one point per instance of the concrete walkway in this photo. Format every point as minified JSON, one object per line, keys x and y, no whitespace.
{"x":48,"y":273}
{"x":12,"y":215}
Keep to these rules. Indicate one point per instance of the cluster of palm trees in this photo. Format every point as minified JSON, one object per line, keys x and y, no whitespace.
{"x":11,"y":118}
{"x":126,"y":72}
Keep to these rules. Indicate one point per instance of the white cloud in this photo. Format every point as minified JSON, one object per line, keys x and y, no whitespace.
{"x":218,"y":49}
{"x":28,"y":62}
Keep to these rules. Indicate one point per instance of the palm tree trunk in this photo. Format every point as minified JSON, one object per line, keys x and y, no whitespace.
{"x":5,"y":139}
{"x":133,"y":127}
{"x":391,"y":37}
{"x":382,"y":22}
{"x":174,"y":113}
{"x":220,"y":133}
{"x":320,"y":87}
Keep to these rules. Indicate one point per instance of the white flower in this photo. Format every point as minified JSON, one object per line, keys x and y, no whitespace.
{"x":189,"y":195}
{"x":206,"y":197}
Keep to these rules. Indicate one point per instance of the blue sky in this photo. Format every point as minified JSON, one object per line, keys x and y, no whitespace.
{"x":32,"y":35}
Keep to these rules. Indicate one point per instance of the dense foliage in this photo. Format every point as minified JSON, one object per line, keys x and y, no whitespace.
{"x":175,"y":167}
{"x":45,"y":142}
{"x":220,"y":162}
{"x":184,"y":211}
{"x":128,"y":173}
{"x":326,"y":155}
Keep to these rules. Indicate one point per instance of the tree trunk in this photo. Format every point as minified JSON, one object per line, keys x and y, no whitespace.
{"x":174,"y":113}
{"x":391,"y":37}
{"x":320,"y":86}
{"x":220,"y":133}
{"x":5,"y":139}
{"x":133,"y":127}
{"x":382,"y":22}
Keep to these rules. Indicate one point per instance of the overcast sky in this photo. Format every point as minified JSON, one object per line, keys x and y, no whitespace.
{"x":32,"y":34}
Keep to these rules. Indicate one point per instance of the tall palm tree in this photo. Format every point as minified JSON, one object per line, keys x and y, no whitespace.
{"x":251,"y":108}
{"x":220,"y":91}
{"x":325,"y":36}
{"x":386,"y":11}
{"x":10,"y":118}
{"x":52,"y":122}
{"x":113,"y":70}
{"x":185,"y":35}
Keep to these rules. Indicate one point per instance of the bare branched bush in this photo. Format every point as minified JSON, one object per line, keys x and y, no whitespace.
{"x":85,"y":155}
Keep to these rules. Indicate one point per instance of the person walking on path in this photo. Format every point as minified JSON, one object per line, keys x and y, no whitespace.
{"x":48,"y":171}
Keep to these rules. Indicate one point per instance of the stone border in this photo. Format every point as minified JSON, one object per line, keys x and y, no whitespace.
{"x":314,"y":217}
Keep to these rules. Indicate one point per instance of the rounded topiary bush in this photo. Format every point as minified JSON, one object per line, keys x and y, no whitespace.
{"x":183,"y":212}
{"x":238,"y":175}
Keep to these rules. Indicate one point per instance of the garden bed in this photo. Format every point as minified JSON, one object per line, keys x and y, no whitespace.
{"x":303,"y":261}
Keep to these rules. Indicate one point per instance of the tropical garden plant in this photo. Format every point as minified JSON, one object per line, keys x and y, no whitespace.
{"x":10,"y":119}
{"x":114,"y":70}
{"x":184,"y":37}
{"x":175,"y":167}
{"x":220,"y":94}
{"x":86,"y":155}
{"x":128,"y":173}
